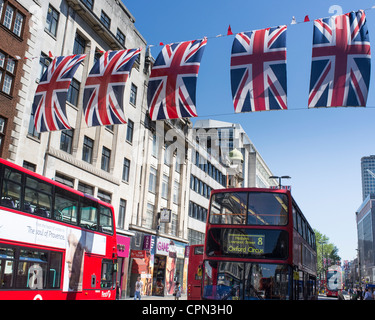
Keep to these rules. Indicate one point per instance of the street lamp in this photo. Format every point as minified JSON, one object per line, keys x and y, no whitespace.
{"x":277,"y":177}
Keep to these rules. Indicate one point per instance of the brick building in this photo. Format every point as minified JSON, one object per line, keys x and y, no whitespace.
{"x":14,"y":35}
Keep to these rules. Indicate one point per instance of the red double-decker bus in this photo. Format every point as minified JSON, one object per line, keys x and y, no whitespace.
{"x":195,"y":272}
{"x":258,"y":246}
{"x":55,"y":242}
{"x":334,"y":281}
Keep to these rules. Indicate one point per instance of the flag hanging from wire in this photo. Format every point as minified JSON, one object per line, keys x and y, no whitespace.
{"x":49,"y":107}
{"x":172,"y":85}
{"x":258,"y":70}
{"x":341,"y":61}
{"x":103,"y":97}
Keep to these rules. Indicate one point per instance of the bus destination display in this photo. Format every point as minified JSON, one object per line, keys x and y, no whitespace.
{"x":239,"y":243}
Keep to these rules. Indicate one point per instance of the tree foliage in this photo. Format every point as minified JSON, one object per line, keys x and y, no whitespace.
{"x":326,"y":250}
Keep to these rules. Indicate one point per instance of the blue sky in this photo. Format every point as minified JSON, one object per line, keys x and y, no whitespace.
{"x":320,"y":149}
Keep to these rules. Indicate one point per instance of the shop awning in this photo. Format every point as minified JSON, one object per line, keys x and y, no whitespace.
{"x":139,"y":266}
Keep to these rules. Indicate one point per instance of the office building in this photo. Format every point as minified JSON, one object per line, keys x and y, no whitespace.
{"x":368,"y":175}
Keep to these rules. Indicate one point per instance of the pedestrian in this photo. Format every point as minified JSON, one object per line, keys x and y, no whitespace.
{"x":368,"y":294}
{"x":177,"y":291}
{"x":138,"y":289}
{"x":360,"y":295}
{"x":340,"y":296}
{"x":355,"y":295}
{"x":118,"y":291}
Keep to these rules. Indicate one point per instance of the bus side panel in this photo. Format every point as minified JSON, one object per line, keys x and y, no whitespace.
{"x":195,"y":274}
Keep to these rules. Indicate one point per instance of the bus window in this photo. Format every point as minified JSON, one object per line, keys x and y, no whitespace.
{"x":38,"y":197}
{"x":89,"y":214}
{"x":106,"y":223}
{"x":228,"y":208}
{"x":267,"y":209}
{"x":66,"y":206}
{"x":11,"y":189}
{"x":32,"y":267}
{"x":6,"y":267}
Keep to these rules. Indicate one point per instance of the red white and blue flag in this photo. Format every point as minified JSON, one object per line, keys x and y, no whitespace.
{"x":172,"y":85}
{"x":50,"y":97}
{"x":340,"y":69}
{"x":258,"y":70}
{"x":103,"y":97}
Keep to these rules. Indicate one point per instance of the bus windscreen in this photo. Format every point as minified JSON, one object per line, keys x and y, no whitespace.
{"x":250,"y":208}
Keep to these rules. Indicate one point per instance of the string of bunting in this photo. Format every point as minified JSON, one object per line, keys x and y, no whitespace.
{"x":340,"y":74}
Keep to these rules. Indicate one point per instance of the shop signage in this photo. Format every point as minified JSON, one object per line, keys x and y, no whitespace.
{"x":149,"y":243}
{"x":162,"y":246}
{"x":138,"y":254}
{"x":123,"y":246}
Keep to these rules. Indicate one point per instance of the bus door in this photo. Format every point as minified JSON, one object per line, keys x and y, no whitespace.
{"x":195,"y":272}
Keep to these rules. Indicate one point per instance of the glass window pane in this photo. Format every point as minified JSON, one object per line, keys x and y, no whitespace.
{"x":229,"y":208}
{"x":106,"y":219}
{"x":89,"y":214}
{"x":66,"y":206}
{"x":38,"y":197}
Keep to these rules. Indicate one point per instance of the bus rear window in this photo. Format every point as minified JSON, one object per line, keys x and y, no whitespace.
{"x":251,"y":208}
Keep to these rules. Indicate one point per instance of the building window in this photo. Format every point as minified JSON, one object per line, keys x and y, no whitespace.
{"x":79,"y":44}
{"x":164,"y":186}
{"x":29,"y":166}
{"x":18,"y":23}
{"x":85,"y":188}
{"x":152,"y":180}
{"x":120,"y":37}
{"x":173,"y":228}
{"x":106,"y":155}
{"x":7,"y":73}
{"x":154,"y":146}
{"x":8,"y":17}
{"x":1,"y":7}
{"x":105,"y":19}
{"x":32,"y":130}
{"x":176,"y":191}
{"x":129,"y":131}
{"x":73,"y":92}
{"x":66,"y":140}
{"x":121,"y":214}
{"x":133,"y":94}
{"x":126,"y":170}
{"x":65,"y":180}
{"x":149,"y":216}
{"x":52,"y":20}
{"x":104,"y":196}
{"x":2,"y":132}
{"x":89,"y":3}
{"x":12,"y":19}
{"x":88,"y":146}
{"x":44,"y":62}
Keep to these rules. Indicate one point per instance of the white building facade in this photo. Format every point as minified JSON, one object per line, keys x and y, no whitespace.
{"x":143,"y":168}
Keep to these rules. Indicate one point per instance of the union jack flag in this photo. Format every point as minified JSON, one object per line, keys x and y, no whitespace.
{"x":104,"y":89}
{"x":340,"y":68}
{"x":172,"y":86}
{"x":50,"y":96}
{"x":258,"y":70}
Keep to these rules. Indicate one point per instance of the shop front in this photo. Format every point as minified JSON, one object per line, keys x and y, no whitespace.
{"x":159,"y":262}
{"x":168,"y":266}
{"x":123,"y":248}
{"x":140,"y":267}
